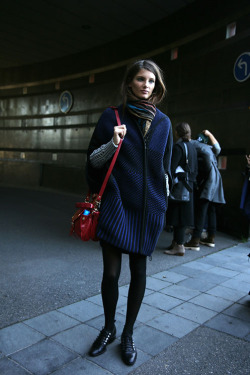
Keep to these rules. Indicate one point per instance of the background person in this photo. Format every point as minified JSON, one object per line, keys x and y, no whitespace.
{"x":134,"y":204}
{"x":210,"y":191}
{"x":245,"y":195}
{"x":180,"y":214}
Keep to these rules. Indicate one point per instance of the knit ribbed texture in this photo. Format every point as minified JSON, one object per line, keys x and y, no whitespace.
{"x":99,"y":157}
{"x":134,"y":203}
{"x":122,"y":229}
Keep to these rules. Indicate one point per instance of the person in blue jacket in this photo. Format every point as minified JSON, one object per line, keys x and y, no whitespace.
{"x":210,"y":191}
{"x":134,"y":203}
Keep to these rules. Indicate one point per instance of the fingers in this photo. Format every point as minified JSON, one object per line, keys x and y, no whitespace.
{"x":119,"y":132}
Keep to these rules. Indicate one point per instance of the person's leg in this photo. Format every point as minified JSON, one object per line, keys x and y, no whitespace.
{"x":110,"y":290}
{"x":137,"y":264}
{"x":136,"y":292}
{"x":111,"y":273}
{"x":200,"y":217}
{"x":171,"y":246}
{"x":211,"y":228}
{"x":180,"y":235}
{"x":178,"y":248}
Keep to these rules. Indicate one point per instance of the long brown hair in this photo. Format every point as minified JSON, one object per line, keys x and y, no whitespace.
{"x":133,"y":69}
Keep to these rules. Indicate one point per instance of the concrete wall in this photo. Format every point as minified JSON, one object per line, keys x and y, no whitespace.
{"x":41,"y":146}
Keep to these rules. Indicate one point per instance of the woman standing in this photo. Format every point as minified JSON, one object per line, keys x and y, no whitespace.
{"x":210,"y":192}
{"x":180,"y":214}
{"x":135,"y":200}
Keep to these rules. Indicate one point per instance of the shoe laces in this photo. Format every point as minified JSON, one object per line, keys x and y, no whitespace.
{"x":128,"y":343}
{"x":104,"y":337}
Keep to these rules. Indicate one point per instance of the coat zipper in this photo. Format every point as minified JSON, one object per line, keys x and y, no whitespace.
{"x":144,"y":196}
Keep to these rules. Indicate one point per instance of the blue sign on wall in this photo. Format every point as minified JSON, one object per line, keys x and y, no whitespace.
{"x":65,"y":101}
{"x":242,"y":67}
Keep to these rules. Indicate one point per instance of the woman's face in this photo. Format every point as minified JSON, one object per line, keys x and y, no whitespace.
{"x":143,"y":84}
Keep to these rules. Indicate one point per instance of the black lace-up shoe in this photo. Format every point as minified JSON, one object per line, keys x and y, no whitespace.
{"x":129,"y":353}
{"x":99,"y":346}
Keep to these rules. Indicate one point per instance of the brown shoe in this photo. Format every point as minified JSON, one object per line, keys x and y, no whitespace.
{"x":177,"y":250}
{"x":193,"y":244}
{"x":208,"y":241}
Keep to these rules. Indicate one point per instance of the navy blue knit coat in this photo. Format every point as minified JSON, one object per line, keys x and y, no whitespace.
{"x":134,"y":203}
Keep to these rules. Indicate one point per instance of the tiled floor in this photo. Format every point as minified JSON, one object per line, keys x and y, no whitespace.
{"x":211,"y":291}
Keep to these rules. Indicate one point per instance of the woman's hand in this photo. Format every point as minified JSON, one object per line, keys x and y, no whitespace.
{"x":119,"y":132}
{"x":211,"y":137}
{"x":206,"y":132}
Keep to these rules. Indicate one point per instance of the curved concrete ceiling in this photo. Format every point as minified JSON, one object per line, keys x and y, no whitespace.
{"x":37,"y":31}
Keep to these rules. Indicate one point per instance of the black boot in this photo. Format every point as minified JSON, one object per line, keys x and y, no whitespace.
{"x":99,"y":346}
{"x":129,"y":353}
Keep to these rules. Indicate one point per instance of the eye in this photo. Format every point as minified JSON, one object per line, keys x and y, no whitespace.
{"x":140,"y":79}
{"x":151,"y":81}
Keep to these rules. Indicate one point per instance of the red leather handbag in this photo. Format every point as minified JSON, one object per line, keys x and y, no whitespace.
{"x":84,"y":221}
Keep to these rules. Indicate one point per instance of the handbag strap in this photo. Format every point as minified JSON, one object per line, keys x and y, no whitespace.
{"x":113,"y":160}
{"x":185,"y":183}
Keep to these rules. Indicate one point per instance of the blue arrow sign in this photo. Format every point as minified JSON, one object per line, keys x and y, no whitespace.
{"x":65,"y":101}
{"x":242,"y":67}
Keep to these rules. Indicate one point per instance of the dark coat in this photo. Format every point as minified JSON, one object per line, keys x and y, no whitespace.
{"x":245,"y":195}
{"x":212,"y":187}
{"x":181,"y":213}
{"x":135,"y":200}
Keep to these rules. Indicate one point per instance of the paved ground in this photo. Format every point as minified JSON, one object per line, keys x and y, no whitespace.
{"x":195,"y":317}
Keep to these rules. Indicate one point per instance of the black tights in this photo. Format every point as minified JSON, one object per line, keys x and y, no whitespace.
{"x":112,"y":258}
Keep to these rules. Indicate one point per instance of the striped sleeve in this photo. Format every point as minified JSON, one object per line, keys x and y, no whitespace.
{"x":101,"y":155}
